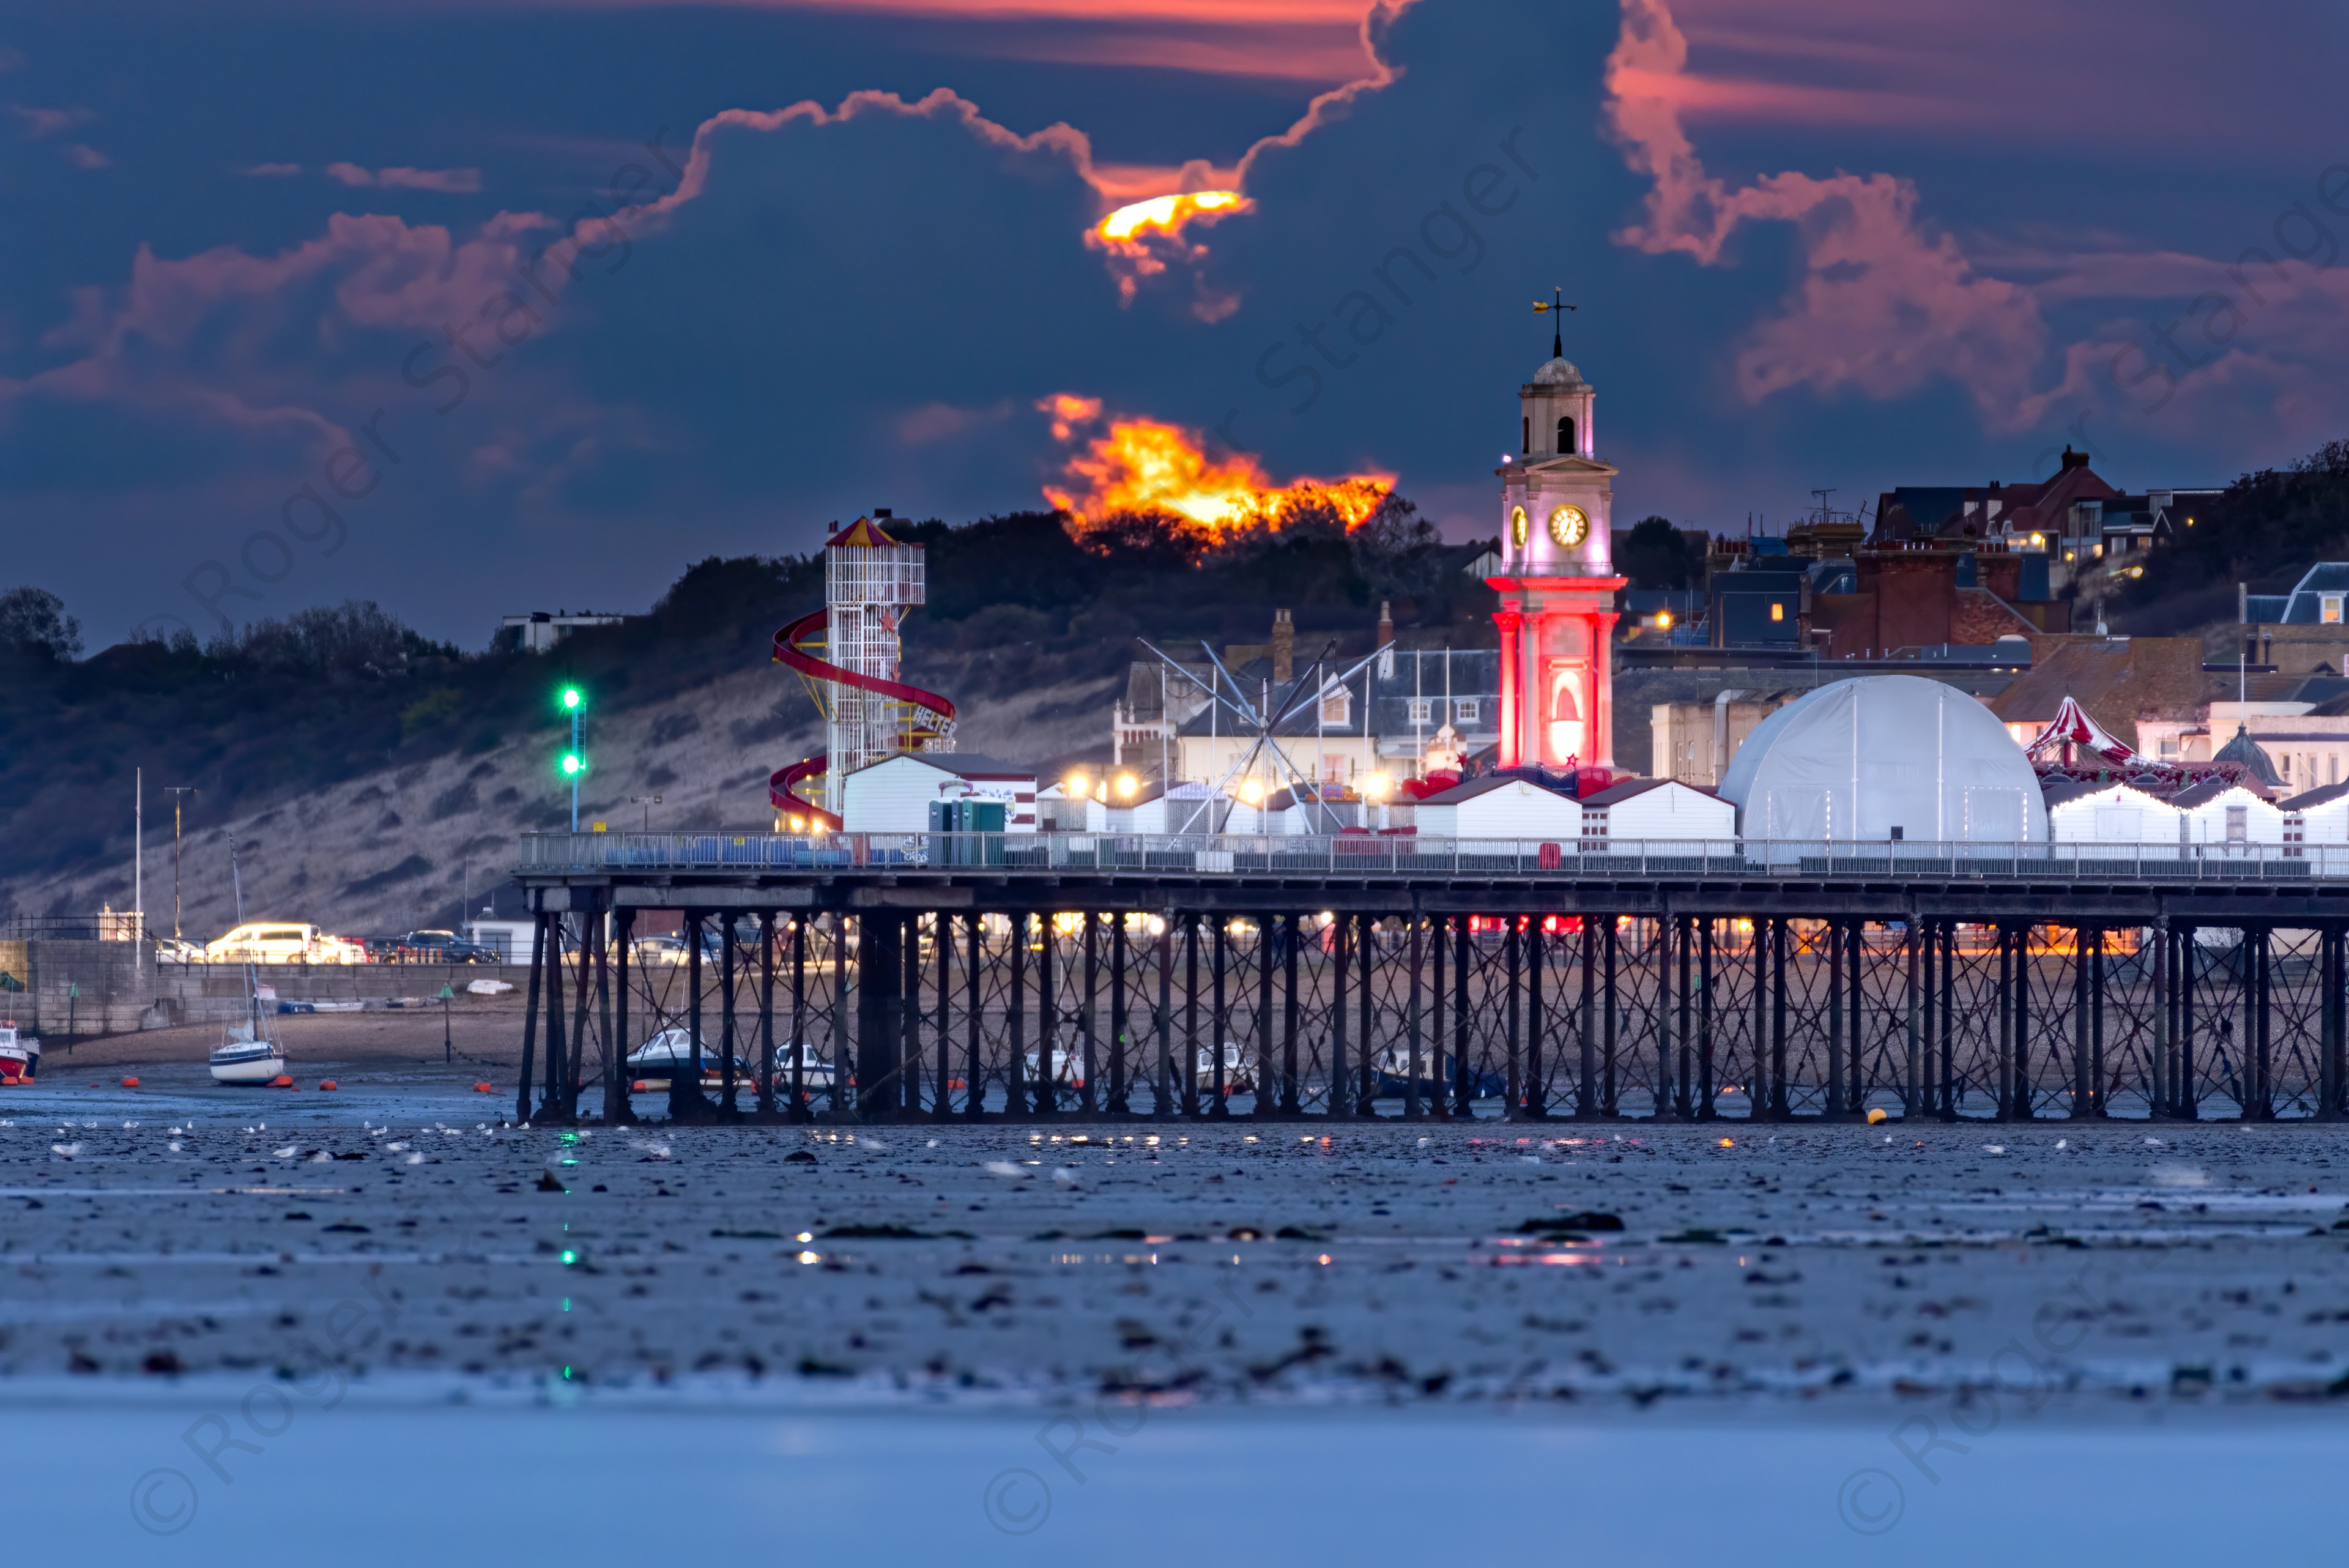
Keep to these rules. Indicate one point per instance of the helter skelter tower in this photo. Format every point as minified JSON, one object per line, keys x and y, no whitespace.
{"x":849,"y":654}
{"x":1556,"y":580}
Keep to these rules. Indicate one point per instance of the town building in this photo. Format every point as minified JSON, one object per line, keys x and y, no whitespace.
{"x":1694,"y":742}
{"x":2148,"y":692}
{"x":2303,"y":632}
{"x":895,"y":793}
{"x":540,"y":631}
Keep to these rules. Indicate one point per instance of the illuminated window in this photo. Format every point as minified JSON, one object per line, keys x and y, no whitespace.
{"x":1336,"y":706}
{"x":2331,"y":613}
{"x":1777,"y":612}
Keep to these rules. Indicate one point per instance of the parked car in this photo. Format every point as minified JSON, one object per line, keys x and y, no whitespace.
{"x":177,"y":950}
{"x":657,"y":950}
{"x":441,"y":946}
{"x":266,"y":941}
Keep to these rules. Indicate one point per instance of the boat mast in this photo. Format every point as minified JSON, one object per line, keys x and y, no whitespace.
{"x":251,"y":979}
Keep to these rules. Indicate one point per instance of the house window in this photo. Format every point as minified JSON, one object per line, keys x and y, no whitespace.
{"x":2330,"y":612}
{"x":2238,"y":824}
{"x":1777,"y":611}
{"x":2169,"y":745}
{"x":1422,"y":710}
{"x":1336,"y":706}
{"x":2284,"y":764}
{"x":1465,"y":710}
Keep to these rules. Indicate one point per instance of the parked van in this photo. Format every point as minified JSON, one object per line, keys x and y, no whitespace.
{"x":264,"y":941}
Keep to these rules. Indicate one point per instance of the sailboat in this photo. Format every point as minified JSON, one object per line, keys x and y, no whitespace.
{"x":249,"y":1052}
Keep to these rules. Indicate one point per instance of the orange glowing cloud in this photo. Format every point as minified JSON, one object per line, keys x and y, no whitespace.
{"x":1148,"y":466}
{"x":1144,"y":238}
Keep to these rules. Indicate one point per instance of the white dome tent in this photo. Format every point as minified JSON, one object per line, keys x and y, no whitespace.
{"x":1883,"y":757}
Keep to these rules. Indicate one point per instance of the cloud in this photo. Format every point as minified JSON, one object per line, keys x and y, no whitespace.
{"x":271,"y":171}
{"x":86,"y":157}
{"x":460,"y":182}
{"x":40,"y":124}
{"x":1883,"y":307}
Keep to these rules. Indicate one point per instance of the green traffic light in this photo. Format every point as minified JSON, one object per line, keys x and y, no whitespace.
{"x":573,"y":763}
{"x":571,"y":698}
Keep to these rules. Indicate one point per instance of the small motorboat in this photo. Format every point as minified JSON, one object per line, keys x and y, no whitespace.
{"x":246,"y":1055}
{"x":20,"y":1054}
{"x":653,"y":1062}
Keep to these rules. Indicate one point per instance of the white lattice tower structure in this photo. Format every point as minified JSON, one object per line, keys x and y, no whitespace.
{"x":870,"y":581}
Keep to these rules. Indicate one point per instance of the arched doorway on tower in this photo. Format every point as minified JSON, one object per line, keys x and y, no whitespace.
{"x":1564,"y":704}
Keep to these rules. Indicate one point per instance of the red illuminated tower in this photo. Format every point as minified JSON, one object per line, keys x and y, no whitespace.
{"x":1556,"y":582}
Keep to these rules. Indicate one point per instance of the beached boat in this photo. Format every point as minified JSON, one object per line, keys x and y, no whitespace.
{"x":654,"y":1062}
{"x":246,"y":1055}
{"x":20,"y":1053}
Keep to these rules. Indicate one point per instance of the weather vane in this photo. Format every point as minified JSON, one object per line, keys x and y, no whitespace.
{"x":1554,"y":304}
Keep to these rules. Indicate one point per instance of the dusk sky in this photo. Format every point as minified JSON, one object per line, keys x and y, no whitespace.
{"x":1814,"y":244}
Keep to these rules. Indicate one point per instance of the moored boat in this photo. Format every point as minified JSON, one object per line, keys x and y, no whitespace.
{"x":20,"y":1053}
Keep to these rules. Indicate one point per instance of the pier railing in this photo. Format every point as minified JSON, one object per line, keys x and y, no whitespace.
{"x":1408,"y":855}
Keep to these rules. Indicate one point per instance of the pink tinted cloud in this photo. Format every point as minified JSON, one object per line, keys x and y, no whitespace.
{"x":1883,"y":308}
{"x":460,"y":182}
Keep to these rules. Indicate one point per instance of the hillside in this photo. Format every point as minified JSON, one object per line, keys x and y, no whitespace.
{"x":2264,"y":531}
{"x":370,"y":776}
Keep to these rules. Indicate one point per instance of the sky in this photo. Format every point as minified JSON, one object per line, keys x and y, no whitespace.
{"x":522,"y":305}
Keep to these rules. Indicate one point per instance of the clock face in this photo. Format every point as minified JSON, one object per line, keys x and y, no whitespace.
{"x":1567,"y":526}
{"x":1517,"y":526}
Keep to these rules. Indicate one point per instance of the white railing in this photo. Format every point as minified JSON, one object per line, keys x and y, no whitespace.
{"x":1408,"y":854}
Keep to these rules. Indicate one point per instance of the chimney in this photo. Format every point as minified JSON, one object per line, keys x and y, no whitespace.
{"x":1386,"y":624}
{"x":1284,"y":646}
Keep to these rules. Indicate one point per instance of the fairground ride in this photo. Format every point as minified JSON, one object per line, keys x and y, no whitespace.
{"x":848,"y":654}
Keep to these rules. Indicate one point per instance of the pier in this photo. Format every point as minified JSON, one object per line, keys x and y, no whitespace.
{"x":1078,"y":977}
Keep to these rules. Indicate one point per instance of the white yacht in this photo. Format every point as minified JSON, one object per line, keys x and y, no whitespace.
{"x":246,"y":1055}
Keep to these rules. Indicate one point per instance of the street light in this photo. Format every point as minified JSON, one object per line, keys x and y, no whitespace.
{"x":574,"y":762}
{"x":179,"y":793}
{"x":647,"y":802}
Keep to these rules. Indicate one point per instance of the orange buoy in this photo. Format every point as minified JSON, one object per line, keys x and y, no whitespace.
{"x":483,"y":1089}
{"x":327,"y":1084}
{"x":283,"y":1080}
{"x":130,"y":1083}
{"x":638,"y":1087}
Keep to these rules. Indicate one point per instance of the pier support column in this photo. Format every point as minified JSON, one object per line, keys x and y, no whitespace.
{"x":2096,"y":1077}
{"x":1218,"y":1107}
{"x":1537,"y":1100}
{"x":1705,"y":1108}
{"x":1836,"y":1108}
{"x":1414,"y":1066}
{"x":1666,"y":929}
{"x":1463,"y":1068}
{"x":1291,"y":1099}
{"x":1162,"y":1099}
{"x":2329,"y":1072}
{"x":2262,"y":1061}
{"x":2156,"y":957}
{"x":530,"y":1014}
{"x":1780,"y":1109}
{"x":880,"y":1016}
{"x":2185,"y":1097}
{"x":617,"y":1110}
{"x":1015,"y":1066}
{"x":798,"y":1110}
{"x":1586,"y":1099}
{"x":975,"y":1060}
{"x":1120,"y":1098}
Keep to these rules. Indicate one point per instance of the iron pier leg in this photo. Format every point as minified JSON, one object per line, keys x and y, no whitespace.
{"x":729,"y":1042}
{"x":2186,"y":1104}
{"x":2081,"y":1090}
{"x":1667,"y":928}
{"x":685,"y":1101}
{"x":1537,"y":1083}
{"x":1015,"y":1066}
{"x":765,"y":1080}
{"x":530,"y":1014}
{"x":1438,"y":1100}
{"x":1856,"y":1102}
{"x":1341,"y":1085}
{"x":843,"y":1068}
{"x":1087,"y":1090}
{"x":1705,"y":1108}
{"x":550,"y":1100}
{"x":1779,"y":1108}
{"x":942,"y":1075}
{"x":974,"y":1086}
{"x":799,"y":1108}
{"x":1291,"y":1100}
{"x":617,"y":1110}
{"x":1262,"y":1083}
{"x":1512,"y":942}
{"x":1836,"y":1106}
{"x":2158,"y":959}
{"x":1220,"y":1106}
{"x":1683,"y":935}
{"x":1757,"y":1081}
{"x":1585,"y":1096}
{"x":1162,"y":1099}
{"x":1413,"y":1066}
{"x":880,"y":1016}
{"x":1949,"y":1021}
{"x":1119,"y":1097}
{"x":1928,"y":1099}
{"x":2328,"y":1087}
{"x":1612,"y":939}
{"x":1051,"y":1059}
{"x":1461,"y":1084}
{"x":1190,"y":1022}
{"x":2263,"y":1094}
{"x":2096,"y":1106}
{"x":1366,"y":1103}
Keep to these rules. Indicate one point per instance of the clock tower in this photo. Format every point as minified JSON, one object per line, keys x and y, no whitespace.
{"x":1556,"y":581}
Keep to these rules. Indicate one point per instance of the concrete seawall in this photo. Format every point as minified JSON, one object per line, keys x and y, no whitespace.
{"x":86,"y":989}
